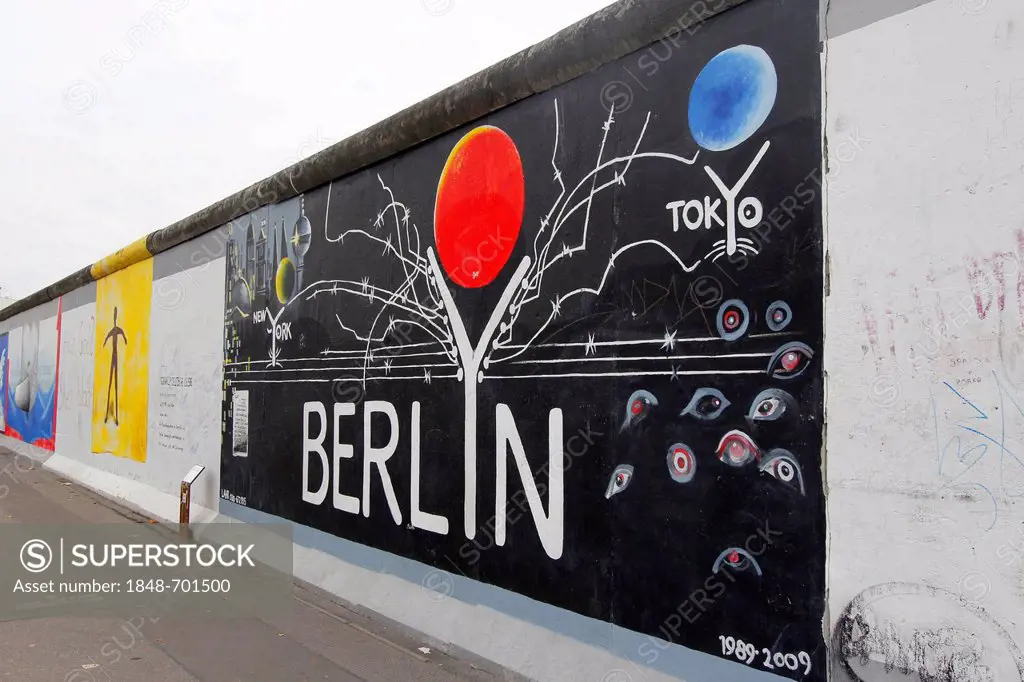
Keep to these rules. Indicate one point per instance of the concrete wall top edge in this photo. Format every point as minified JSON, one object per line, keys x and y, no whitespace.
{"x":595,"y":40}
{"x":846,"y":16}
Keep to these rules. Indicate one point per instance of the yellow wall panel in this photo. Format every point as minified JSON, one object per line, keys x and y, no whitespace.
{"x":121,"y":381}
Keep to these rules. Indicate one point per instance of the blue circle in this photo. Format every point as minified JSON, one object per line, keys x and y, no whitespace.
{"x":732,"y":97}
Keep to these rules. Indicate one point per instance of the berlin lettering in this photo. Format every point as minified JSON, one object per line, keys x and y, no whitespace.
{"x":317,"y":426}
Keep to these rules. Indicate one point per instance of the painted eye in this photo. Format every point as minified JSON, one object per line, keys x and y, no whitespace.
{"x":682,"y":465}
{"x":779,"y":316}
{"x":620,"y":480}
{"x":733,"y":319}
{"x":768,"y":408}
{"x":737,"y":559}
{"x":638,"y":407}
{"x":737,"y":449}
{"x":706,"y":404}
{"x":770,"y":405}
{"x":781,"y":465}
{"x":790,"y":361}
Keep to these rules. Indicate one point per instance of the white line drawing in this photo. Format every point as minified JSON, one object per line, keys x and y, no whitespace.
{"x":331,"y":381}
{"x":385,"y":365}
{"x":643,"y":358}
{"x":543,"y":260}
{"x":720,"y":248}
{"x":584,"y":375}
{"x":423,"y":299}
{"x":422,"y":302}
{"x":601,"y":344}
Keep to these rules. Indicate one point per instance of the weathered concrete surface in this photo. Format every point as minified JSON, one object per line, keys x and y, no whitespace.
{"x":317,"y":639}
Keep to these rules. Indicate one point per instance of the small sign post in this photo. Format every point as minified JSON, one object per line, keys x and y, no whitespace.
{"x":185,"y":502}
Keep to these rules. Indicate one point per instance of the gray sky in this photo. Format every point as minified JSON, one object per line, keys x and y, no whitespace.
{"x":124,"y":116}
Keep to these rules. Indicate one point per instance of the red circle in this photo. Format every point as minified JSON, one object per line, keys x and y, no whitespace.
{"x":682,"y":460}
{"x":637,"y":407}
{"x":790,"y":361}
{"x":481,"y":197}
{"x":732,"y":319}
{"x":734,"y":557}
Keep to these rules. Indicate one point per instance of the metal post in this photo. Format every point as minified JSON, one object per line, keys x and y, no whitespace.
{"x":184,"y":508}
{"x":185,"y":500}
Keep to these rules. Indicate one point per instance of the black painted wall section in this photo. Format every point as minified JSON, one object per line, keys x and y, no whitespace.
{"x":675,"y":373}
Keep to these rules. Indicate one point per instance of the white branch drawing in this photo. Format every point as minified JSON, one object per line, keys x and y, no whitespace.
{"x":544,"y":258}
{"x":416,"y":299}
{"x":423,"y":299}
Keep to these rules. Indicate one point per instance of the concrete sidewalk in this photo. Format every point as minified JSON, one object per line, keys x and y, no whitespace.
{"x":318,"y":638}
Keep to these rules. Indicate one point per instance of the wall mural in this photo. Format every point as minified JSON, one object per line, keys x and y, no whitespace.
{"x":3,"y":381}
{"x":74,"y":394}
{"x":121,"y":371}
{"x":567,"y":350}
{"x":31,"y":386}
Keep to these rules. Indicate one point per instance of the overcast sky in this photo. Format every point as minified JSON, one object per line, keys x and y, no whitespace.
{"x":120,"y":122}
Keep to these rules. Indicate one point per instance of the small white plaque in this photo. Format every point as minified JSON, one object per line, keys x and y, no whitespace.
{"x":193,"y":474}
